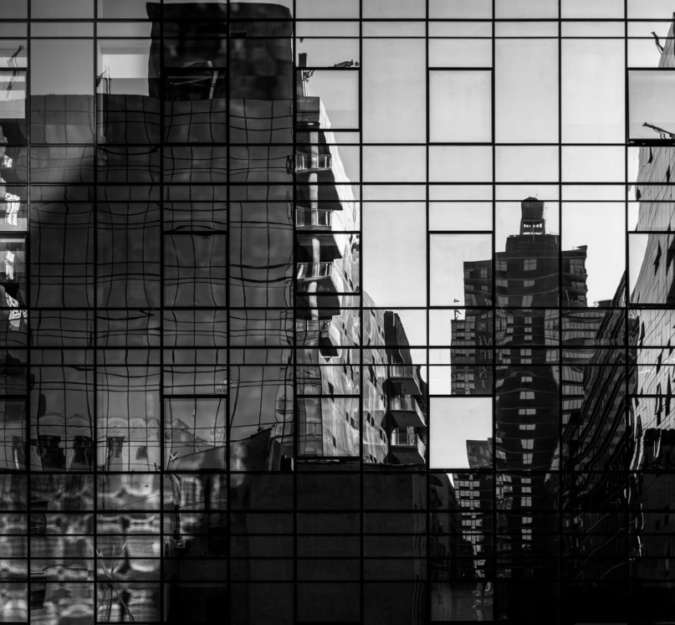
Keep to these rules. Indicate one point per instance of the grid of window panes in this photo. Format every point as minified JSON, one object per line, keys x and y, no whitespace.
{"x":337,"y":312}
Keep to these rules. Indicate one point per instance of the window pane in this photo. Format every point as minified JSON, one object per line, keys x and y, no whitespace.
{"x":386,"y":102}
{"x":649,"y":92}
{"x":526,"y":85}
{"x":460,"y":108}
{"x":593,"y":91}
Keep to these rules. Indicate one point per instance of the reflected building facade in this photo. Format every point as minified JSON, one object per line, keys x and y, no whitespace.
{"x":205,"y":416}
{"x":475,"y":496}
{"x":194,"y":305}
{"x":616,"y":450}
{"x":651,"y":410}
{"x":539,"y":291}
{"x":596,"y":447}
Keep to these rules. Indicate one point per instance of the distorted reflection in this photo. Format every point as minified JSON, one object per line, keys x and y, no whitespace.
{"x":362,"y":314}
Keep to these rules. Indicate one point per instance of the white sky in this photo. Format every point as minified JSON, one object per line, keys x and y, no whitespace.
{"x":453,"y":421}
{"x":593,"y":94}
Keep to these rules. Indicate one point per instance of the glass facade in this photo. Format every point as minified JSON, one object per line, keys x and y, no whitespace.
{"x":337,"y":312}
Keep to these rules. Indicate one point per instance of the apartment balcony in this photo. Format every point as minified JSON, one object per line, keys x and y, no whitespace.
{"x":407,"y":448}
{"x":306,"y":163}
{"x":329,"y":285}
{"x":405,"y":376}
{"x":321,"y":333}
{"x":311,"y":326}
{"x":327,"y":274}
{"x":405,"y":412}
{"x":315,"y":220}
{"x":328,"y":248}
{"x":314,"y":226}
{"x":308,"y":112}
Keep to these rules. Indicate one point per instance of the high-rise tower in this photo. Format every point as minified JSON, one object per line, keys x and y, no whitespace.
{"x":539,"y":292}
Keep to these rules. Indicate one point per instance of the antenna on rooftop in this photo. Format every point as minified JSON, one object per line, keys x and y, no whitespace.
{"x":663,"y":134}
{"x":104,"y":76}
{"x":11,"y":62}
{"x":347,"y":64}
{"x":657,"y":42}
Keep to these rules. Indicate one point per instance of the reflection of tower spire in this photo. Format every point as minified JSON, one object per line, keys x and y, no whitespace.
{"x":532,"y":217}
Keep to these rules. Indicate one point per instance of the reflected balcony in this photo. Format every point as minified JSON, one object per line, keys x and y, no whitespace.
{"x":407,"y":448}
{"x":327,"y":274}
{"x":405,"y":412}
{"x":318,"y":219}
{"x":321,"y":333}
{"x":330,"y":283}
{"x":306,"y":163}
{"x":322,"y":244}
{"x":309,"y":111}
{"x":405,"y":376}
{"x":314,"y":229}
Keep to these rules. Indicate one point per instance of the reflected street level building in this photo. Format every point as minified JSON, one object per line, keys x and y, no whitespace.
{"x":617,"y":451}
{"x":475,"y":496}
{"x":260,"y":564}
{"x":592,"y":488}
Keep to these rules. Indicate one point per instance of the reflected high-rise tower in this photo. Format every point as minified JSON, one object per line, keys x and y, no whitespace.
{"x":539,"y":291}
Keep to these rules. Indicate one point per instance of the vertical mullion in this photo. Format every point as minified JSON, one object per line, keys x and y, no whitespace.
{"x":493,"y":316}
{"x":27,"y":272}
{"x":294,"y":302}
{"x":162,"y":416}
{"x":97,"y":119}
{"x":427,"y":475}
{"x":561,"y":312}
{"x":361,"y":313}
{"x":626,"y":296}
{"x":228,"y":304}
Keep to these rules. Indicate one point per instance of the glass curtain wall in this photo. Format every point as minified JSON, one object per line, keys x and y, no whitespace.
{"x":337,"y":312}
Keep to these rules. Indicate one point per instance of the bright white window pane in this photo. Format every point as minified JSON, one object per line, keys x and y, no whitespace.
{"x":526,"y":85}
{"x":593,"y":91}
{"x":387,"y":102}
{"x":603,"y":9}
{"x":460,"y":107}
{"x":530,"y":9}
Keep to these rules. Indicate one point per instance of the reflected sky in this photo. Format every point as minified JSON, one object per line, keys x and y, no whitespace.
{"x":361,"y":314}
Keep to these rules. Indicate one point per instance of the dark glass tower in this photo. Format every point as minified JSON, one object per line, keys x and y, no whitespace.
{"x":538,"y":291}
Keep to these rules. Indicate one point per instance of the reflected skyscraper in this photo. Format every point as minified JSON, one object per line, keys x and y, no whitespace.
{"x":539,"y":290}
{"x":207,"y":412}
